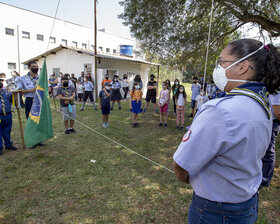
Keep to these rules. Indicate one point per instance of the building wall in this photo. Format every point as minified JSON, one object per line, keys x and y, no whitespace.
{"x":34,"y":23}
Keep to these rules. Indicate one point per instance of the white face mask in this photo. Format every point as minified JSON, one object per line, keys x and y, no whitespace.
{"x":137,"y":87}
{"x":108,"y":87}
{"x":181,"y":90}
{"x":176,"y":83}
{"x":219,"y":73}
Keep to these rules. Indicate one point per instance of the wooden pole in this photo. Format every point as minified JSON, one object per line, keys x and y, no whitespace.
{"x":95,"y":50}
{"x":18,"y":49}
{"x":19,"y":119}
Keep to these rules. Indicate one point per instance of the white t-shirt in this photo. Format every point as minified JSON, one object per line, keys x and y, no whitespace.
{"x":163,"y":96}
{"x":80,"y":88}
{"x":201,"y":100}
{"x":181,"y":100}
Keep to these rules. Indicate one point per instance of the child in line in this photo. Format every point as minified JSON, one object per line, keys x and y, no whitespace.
{"x":201,"y":99}
{"x":164,"y":99}
{"x":88,"y":93}
{"x":180,"y":102}
{"x":136,"y":103}
{"x":104,"y":105}
{"x":195,"y":92}
{"x":80,"y":91}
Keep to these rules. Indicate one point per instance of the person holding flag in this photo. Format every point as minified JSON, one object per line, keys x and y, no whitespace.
{"x":39,"y":124}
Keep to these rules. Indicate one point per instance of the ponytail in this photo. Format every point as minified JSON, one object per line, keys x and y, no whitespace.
{"x":266,"y":61}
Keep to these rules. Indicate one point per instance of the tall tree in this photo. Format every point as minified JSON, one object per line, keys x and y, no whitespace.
{"x":176,"y":30}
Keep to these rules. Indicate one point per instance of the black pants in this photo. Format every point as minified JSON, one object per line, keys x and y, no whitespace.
{"x":174,"y":105}
{"x":28,"y":105}
{"x":88,"y":94}
{"x":125,"y":89}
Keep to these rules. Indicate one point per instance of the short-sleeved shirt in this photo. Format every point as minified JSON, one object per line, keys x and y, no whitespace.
{"x":175,"y":89}
{"x":163,"y":96}
{"x":106,"y":81}
{"x":88,"y":86}
{"x":80,"y":88}
{"x":275,"y":101}
{"x":65,"y":92}
{"x":116,"y":85}
{"x":53,"y":84}
{"x":181,"y":100}
{"x":201,"y":100}
{"x":7,"y":97}
{"x":195,"y":90}
{"x":136,"y":95}
{"x":152,"y":92}
{"x":223,"y":149}
{"x":105,"y":100}
{"x":27,"y":82}
{"x":125,"y":83}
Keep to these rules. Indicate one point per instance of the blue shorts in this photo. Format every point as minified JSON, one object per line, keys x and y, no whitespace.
{"x":105,"y":110}
{"x":136,"y":107}
{"x":193,"y":104}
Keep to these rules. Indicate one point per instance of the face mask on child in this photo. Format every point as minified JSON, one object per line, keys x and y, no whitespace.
{"x":181,"y":90}
{"x":137,"y":87}
{"x":108,"y":87}
{"x":176,"y":83}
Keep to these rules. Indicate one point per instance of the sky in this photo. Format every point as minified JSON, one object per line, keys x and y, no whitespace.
{"x":80,"y":12}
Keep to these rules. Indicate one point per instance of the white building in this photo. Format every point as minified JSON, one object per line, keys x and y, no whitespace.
{"x":25,"y":34}
{"x":73,"y":60}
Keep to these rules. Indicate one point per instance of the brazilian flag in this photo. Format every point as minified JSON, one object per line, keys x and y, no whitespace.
{"x":39,"y":124}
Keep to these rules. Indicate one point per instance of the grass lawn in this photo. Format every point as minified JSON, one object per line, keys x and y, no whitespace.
{"x":57,"y":183}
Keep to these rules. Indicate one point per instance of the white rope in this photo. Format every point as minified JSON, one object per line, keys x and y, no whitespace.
{"x":208,"y":43}
{"x":54,"y":18}
{"x":117,"y":143}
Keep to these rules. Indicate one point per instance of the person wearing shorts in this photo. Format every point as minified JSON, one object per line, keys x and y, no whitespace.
{"x":104,"y":105}
{"x":66,"y":95}
{"x":195,"y":92}
{"x":164,"y":99}
{"x":152,"y":87}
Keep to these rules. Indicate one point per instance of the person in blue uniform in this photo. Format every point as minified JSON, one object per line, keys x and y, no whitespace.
{"x":269,"y":158}
{"x":5,"y":119}
{"x":221,"y":154}
{"x":88,"y":93}
{"x":27,"y":85}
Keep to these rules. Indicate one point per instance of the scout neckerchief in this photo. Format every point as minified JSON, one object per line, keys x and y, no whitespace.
{"x":34,"y":80}
{"x":3,"y":102}
{"x":256,"y":91}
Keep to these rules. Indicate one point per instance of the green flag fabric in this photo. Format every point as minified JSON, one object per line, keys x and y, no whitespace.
{"x":39,"y":124}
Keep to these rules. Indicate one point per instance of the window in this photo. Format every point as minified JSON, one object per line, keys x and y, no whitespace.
{"x":64,"y":42}
{"x":84,"y":45}
{"x":75,"y":44}
{"x":11,"y":65}
{"x":100,"y":48}
{"x":92,"y":47}
{"x":107,"y":50}
{"x":9,"y":31}
{"x":114,"y":51}
{"x":40,"y":37}
{"x":25,"y":35}
{"x":52,"y":39}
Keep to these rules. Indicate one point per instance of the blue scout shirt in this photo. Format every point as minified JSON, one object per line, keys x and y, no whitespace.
{"x":223,"y":148}
{"x":7,"y":97}
{"x":195,"y":90}
{"x":105,"y":100}
{"x":88,"y":86}
{"x":116,"y":85}
{"x":27,"y":82}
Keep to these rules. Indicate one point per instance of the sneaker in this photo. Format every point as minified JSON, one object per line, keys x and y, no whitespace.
{"x":67,"y":132}
{"x":82,"y":109}
{"x":137,"y":124}
{"x":174,"y":113}
{"x":182,"y":127}
{"x":104,"y":125}
{"x":165,"y":125}
{"x":72,"y":130}
{"x":160,"y":124}
{"x":120,"y":108}
{"x":107,"y":125}
{"x":40,"y":144}
{"x":12,"y":148}
{"x":145,"y":110}
{"x":95,"y":108}
{"x":178,"y":127}
{"x":156,"y":112}
{"x":133,"y":125}
{"x":33,"y":146}
{"x":190,"y":115}
{"x":111,"y":108}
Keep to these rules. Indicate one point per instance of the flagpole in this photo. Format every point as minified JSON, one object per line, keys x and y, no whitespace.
{"x":19,"y":120}
{"x":95,"y":49}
